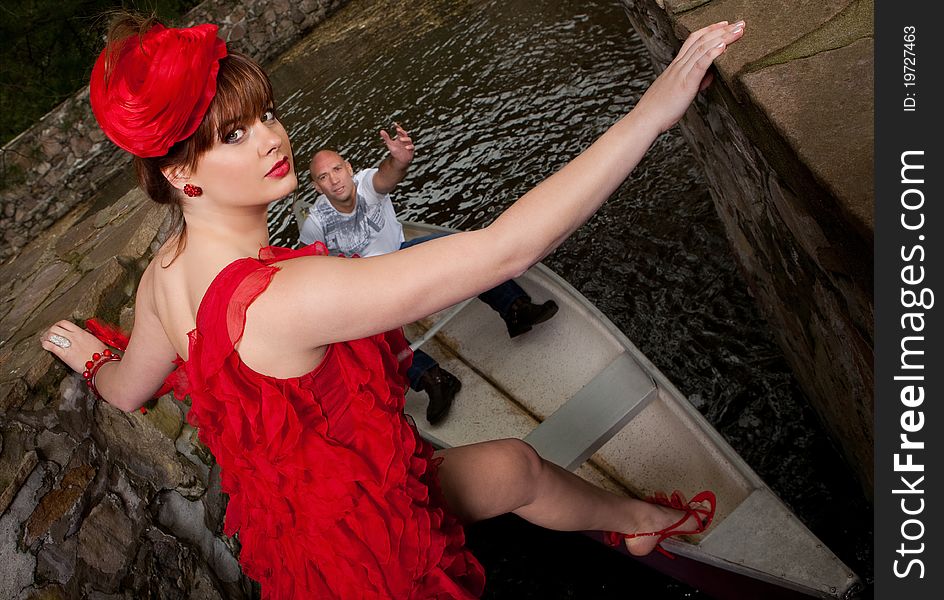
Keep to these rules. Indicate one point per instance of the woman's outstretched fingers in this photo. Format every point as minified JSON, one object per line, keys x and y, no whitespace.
{"x":672,"y":92}
{"x":705,"y":60}
{"x":713,"y":49}
{"x":698,"y":38}
{"x":705,"y":50}
{"x":712,"y":42}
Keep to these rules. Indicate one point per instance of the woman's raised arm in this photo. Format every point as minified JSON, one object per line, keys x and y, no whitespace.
{"x":354,"y":298}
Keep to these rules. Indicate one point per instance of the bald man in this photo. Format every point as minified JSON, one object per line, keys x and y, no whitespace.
{"x":354,"y":215}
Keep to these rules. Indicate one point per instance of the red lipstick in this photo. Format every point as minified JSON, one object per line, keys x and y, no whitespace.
{"x":280,"y":169}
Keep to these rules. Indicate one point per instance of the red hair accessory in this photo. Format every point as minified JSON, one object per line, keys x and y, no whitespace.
{"x":158,"y":88}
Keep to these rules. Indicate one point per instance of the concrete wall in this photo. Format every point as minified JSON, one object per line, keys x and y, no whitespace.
{"x":784,"y":137}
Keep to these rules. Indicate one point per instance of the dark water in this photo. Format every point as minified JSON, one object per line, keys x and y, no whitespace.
{"x":497,"y":95}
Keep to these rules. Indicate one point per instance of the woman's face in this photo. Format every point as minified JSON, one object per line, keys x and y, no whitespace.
{"x":251,"y":164}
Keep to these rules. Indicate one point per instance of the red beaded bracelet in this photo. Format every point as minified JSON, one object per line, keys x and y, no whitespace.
{"x":92,"y":367}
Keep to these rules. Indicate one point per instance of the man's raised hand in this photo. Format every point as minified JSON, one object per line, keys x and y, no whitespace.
{"x":400,"y":146}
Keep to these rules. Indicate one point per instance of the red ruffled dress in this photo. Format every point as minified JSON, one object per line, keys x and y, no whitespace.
{"x":331,"y":490}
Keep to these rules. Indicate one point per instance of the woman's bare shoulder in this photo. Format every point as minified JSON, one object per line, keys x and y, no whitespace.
{"x":168,"y":288}
{"x":165,"y":272}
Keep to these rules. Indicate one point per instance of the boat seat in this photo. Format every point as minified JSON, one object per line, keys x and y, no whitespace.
{"x":602,"y":407}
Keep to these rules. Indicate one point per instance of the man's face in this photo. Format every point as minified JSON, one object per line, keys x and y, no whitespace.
{"x":333,"y":177}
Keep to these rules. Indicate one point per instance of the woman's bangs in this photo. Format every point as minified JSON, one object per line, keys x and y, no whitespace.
{"x":243,"y":93}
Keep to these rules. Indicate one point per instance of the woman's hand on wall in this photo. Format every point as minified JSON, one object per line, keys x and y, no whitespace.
{"x":673,"y":91}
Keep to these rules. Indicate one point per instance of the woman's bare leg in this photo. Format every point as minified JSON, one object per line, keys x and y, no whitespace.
{"x":487,"y":479}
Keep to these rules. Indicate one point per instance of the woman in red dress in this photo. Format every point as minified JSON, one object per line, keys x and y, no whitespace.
{"x":294,"y":360}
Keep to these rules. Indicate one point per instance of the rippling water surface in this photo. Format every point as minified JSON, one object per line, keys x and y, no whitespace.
{"x":499,"y":94}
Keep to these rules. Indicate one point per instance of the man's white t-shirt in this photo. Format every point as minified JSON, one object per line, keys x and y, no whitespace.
{"x":370,"y":229}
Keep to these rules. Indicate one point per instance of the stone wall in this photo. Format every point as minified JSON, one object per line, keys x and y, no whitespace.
{"x":65,"y":158}
{"x":785,"y":138}
{"x":96,"y":503}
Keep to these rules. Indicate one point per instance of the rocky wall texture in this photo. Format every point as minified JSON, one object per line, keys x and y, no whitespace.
{"x":94,"y":502}
{"x":65,"y":158}
{"x":784,"y":137}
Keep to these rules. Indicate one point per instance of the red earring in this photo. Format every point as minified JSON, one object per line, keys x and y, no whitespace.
{"x":193,"y":190}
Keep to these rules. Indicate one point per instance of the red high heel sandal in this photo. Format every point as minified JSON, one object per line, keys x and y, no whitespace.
{"x":692,"y":508}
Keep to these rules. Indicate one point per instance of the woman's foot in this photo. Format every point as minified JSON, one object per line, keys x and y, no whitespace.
{"x":663,"y":517}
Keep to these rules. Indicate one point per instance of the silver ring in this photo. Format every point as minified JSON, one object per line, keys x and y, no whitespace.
{"x":62,"y":342}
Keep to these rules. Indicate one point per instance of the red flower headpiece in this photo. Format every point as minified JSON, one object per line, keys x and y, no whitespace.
{"x":158,"y":89}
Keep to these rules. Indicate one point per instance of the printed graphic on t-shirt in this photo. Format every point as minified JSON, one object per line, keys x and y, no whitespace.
{"x":350,"y":233}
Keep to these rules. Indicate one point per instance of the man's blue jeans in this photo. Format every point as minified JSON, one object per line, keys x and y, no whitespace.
{"x":500,"y":298}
